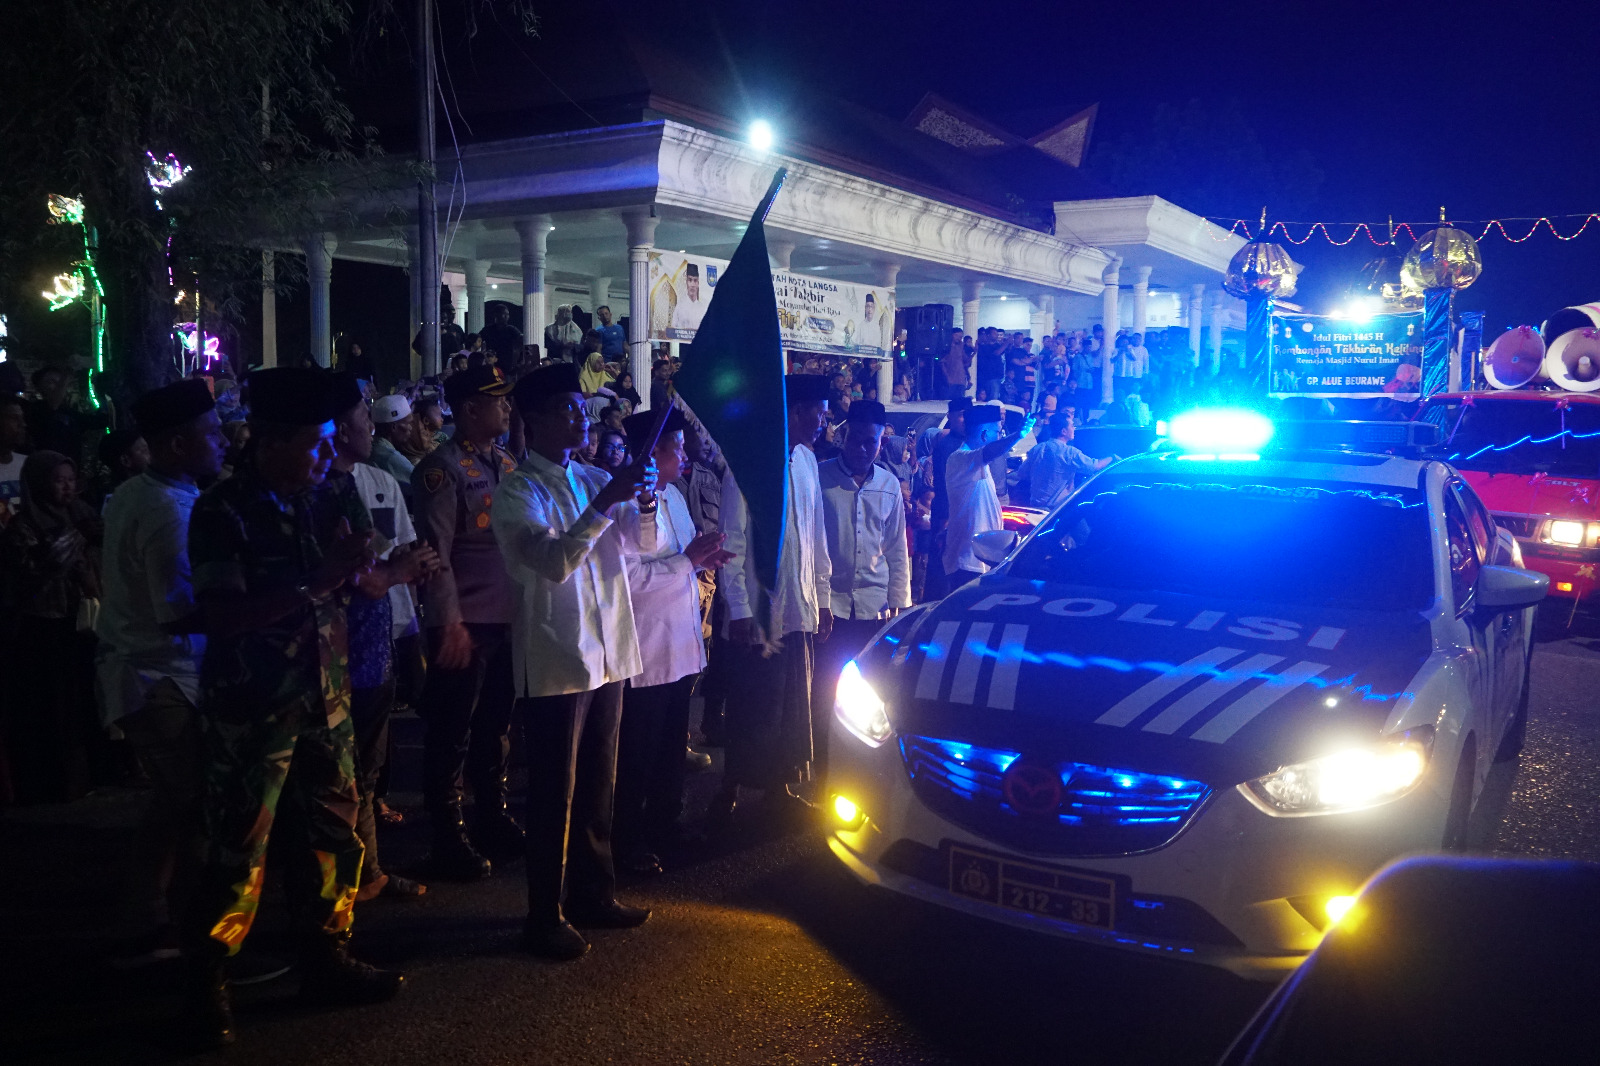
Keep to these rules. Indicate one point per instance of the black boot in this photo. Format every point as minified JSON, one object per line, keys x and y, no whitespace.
{"x":209,"y":1009}
{"x":453,"y":857}
{"x":329,"y":977}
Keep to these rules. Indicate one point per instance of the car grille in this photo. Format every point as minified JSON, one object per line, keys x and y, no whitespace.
{"x":1518,"y":525}
{"x":1102,"y":810}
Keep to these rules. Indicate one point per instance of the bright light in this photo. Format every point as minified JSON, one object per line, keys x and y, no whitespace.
{"x":1563,"y":586}
{"x":858,"y":707}
{"x":1360,"y":309}
{"x":65,"y":209}
{"x":1345,"y":780}
{"x":1331,"y":701}
{"x":761,"y":135}
{"x":68,"y":289}
{"x":1221,"y":431}
{"x":1568,"y":533}
{"x":846,"y":811}
{"x":1337,"y":907}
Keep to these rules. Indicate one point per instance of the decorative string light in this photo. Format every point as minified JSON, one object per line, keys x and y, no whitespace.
{"x":163,"y":174}
{"x":82,"y":285}
{"x":68,"y":290}
{"x":1392,"y":230}
{"x":64,"y":209}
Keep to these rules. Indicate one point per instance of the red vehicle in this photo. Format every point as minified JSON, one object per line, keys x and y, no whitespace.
{"x":1533,"y":456}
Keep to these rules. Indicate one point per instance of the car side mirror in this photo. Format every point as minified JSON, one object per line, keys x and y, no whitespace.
{"x":993,"y":546}
{"x":1505,"y":588}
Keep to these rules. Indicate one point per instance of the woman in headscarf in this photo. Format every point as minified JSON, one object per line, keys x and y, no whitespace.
{"x":593,"y":375}
{"x":50,"y":565}
{"x":623,"y":389}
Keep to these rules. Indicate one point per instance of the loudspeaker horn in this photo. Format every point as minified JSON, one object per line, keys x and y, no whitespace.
{"x":1581,"y":316}
{"x":1573,"y":361}
{"x":1515,"y":359}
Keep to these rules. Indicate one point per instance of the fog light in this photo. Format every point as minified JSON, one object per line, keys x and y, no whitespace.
{"x":1337,"y":907}
{"x":846,"y":813}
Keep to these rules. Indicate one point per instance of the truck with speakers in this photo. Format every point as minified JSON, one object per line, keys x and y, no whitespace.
{"x":1529,"y":444}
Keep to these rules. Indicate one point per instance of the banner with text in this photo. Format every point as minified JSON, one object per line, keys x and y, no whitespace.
{"x":814,"y":314}
{"x":1313,"y":355}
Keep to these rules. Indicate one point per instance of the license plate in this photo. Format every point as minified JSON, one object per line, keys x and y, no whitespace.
{"x":1065,"y":895}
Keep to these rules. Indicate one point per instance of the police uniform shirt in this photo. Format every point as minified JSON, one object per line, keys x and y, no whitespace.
{"x":453,"y":494}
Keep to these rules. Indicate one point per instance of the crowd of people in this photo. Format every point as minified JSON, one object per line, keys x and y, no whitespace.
{"x":265,"y":572}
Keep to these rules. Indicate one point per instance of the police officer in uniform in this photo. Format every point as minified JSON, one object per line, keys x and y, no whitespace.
{"x":467,"y":700}
{"x":275,"y":551}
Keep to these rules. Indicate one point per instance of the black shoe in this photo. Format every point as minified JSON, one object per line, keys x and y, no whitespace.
{"x":696,"y":762}
{"x":209,"y":1010}
{"x":498,"y":836}
{"x":558,"y":943}
{"x":608,"y":915}
{"x":453,"y":857}
{"x":331,"y":978}
{"x":641,"y":864}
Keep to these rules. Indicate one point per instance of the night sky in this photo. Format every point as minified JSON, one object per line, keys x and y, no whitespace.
{"x":1490,"y":110}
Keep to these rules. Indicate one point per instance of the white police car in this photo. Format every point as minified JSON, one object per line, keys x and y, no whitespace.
{"x":1201,"y":702}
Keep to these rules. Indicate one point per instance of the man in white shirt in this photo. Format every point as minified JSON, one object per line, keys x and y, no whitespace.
{"x":687,"y":312}
{"x":865,"y":518}
{"x":1052,"y":467}
{"x":573,"y":645}
{"x":769,"y":724}
{"x":151,"y":646}
{"x":974,"y":506}
{"x":665,"y":555}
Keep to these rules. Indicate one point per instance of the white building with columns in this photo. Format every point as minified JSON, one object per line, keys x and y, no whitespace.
{"x":571,"y":217}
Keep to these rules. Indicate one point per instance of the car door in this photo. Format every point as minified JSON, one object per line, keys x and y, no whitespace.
{"x":1465,"y":566}
{"x":1507,"y":634}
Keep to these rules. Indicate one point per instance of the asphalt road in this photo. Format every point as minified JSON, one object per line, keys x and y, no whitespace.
{"x":762,"y":951}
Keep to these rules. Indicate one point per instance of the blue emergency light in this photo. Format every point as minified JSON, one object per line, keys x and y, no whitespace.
{"x":1239,"y":433}
{"x":1221,"y":432}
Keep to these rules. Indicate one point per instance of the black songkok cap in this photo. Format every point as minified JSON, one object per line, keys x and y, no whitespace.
{"x":171,"y":406}
{"x":545,"y":381}
{"x":346,"y":392}
{"x":475,"y":381}
{"x":960,"y":403}
{"x":980,"y":413}
{"x":870,"y":411}
{"x":637,"y":428}
{"x":293,"y":396}
{"x":805,"y":388}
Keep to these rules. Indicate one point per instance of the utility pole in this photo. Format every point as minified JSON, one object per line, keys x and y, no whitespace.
{"x":427,"y":202}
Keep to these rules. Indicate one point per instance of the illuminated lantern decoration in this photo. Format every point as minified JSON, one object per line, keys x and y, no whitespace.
{"x":64,"y":209}
{"x":68,"y":290}
{"x":1260,"y":268}
{"x":1443,"y":258}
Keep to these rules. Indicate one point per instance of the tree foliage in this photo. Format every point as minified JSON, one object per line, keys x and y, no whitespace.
{"x":236,"y":89}
{"x":1206,"y":157}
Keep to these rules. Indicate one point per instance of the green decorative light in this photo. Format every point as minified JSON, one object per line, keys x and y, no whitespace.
{"x":82,"y":285}
{"x":68,"y":291}
{"x":65,"y":209}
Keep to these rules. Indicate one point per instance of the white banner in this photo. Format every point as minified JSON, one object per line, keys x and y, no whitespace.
{"x":814,"y":314}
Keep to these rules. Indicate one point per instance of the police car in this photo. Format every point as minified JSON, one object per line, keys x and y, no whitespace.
{"x":1201,"y":702}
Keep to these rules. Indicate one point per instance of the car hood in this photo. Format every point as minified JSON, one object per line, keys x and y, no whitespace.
{"x":1215,"y":691}
{"x":1536,"y":494}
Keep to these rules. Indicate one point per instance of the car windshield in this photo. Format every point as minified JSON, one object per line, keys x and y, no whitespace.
{"x":1522,"y":437}
{"x":1271,"y":541}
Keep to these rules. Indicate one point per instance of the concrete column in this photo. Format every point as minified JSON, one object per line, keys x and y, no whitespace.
{"x":887,"y":274}
{"x":1141,"y":298}
{"x":477,"y":292}
{"x":319,"y":270}
{"x":1197,"y":295}
{"x":1041,"y":323}
{"x":599,"y":293}
{"x":534,"y":233}
{"x":1110,"y":315}
{"x":269,"y":312}
{"x":1217,"y":300}
{"x":781,"y":253}
{"x":971,"y":305}
{"x":641,"y":223}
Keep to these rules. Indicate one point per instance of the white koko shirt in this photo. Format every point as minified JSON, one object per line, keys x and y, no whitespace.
{"x":866,"y":530}
{"x":974,"y":508}
{"x":572,"y":626}
{"x":666,"y":593}
{"x":803,"y":570}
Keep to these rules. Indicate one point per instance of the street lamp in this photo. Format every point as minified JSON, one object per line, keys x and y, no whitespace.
{"x":761,"y":135}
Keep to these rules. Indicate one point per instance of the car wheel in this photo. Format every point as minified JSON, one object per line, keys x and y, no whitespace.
{"x":1455,"y":824}
{"x":1517,"y":731}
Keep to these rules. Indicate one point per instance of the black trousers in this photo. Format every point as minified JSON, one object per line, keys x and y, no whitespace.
{"x":571,"y":742}
{"x":650,"y":763}
{"x":849,"y":636}
{"x":468,"y":717}
{"x":370,"y":709}
{"x":769,"y":714}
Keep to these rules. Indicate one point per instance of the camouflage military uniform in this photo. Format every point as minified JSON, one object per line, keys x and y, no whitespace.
{"x":275,"y":708}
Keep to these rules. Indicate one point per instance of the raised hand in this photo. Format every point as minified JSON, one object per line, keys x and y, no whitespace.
{"x":706,"y":551}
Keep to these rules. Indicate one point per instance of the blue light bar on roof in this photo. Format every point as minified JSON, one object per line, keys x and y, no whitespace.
{"x":1221,"y":431}
{"x":1358,"y":436}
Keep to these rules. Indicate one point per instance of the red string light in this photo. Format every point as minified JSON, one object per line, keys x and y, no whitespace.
{"x":1356,"y":228}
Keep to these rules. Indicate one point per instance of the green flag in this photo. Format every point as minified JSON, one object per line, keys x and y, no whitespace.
{"x":732,"y":379}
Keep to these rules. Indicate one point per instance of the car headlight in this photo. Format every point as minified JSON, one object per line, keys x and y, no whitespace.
{"x":858,"y":707}
{"x":1345,"y":780}
{"x":1570,"y":534}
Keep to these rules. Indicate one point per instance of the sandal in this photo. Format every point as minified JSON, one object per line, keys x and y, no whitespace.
{"x":387,"y":814}
{"x":397,"y":887}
